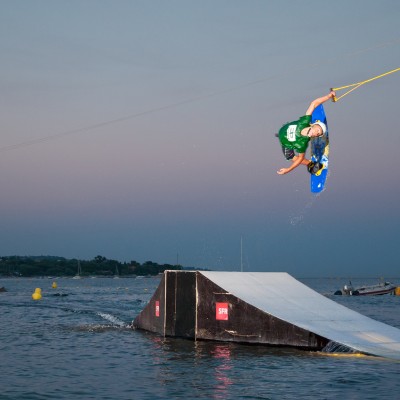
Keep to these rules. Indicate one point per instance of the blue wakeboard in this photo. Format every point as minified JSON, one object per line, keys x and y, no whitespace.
{"x":319,"y":151}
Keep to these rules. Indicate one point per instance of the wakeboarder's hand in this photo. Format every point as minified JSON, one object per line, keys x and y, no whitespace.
{"x":282,"y":171}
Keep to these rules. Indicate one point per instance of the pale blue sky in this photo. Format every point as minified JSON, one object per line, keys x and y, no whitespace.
{"x":140,"y":130}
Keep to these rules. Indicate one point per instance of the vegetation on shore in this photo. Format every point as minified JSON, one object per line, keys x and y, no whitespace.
{"x":28,"y":266}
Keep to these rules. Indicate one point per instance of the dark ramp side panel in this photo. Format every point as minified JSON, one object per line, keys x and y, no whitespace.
{"x":172,"y":309}
{"x":153,"y":315}
{"x":223,"y":316}
{"x":180,"y":310}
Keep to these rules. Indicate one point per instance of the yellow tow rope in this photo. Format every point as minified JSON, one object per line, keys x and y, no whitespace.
{"x":355,"y":86}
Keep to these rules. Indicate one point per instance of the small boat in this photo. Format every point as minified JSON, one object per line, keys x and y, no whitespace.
{"x":372,"y":290}
{"x":78,"y":273}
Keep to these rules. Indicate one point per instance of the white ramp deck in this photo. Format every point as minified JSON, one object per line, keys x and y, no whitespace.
{"x":279,"y":294}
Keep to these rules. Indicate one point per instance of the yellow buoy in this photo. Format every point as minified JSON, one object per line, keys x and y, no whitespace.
{"x":397,"y":291}
{"x":54,"y":285}
{"x":37,"y":295}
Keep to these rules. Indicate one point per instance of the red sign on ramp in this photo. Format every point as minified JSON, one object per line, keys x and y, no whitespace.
{"x":221,"y":310}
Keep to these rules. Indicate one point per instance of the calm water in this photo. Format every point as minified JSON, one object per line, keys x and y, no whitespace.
{"x":81,"y":346}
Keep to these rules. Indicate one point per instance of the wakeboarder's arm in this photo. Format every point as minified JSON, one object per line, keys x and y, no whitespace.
{"x":299,"y":160}
{"x":315,"y":103}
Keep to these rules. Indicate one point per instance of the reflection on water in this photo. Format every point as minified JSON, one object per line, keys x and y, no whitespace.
{"x":222,"y":354}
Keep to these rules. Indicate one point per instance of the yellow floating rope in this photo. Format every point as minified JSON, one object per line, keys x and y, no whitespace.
{"x":355,"y":86}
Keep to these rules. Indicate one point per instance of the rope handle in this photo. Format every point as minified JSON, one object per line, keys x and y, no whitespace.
{"x":355,"y":86}
{"x":334,"y":99}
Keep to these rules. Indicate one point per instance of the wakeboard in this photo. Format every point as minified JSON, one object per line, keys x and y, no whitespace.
{"x":319,"y":151}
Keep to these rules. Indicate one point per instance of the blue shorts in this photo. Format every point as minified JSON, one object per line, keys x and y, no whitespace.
{"x":288,"y":153}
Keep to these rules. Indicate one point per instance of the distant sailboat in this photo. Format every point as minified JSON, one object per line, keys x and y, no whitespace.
{"x":241,"y":254}
{"x":78,"y":274}
{"x":116,"y":275}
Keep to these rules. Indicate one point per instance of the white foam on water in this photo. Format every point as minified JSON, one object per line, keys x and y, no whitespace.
{"x":114,"y":320}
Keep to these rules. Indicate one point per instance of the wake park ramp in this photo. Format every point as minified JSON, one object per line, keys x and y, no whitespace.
{"x":271,"y":308}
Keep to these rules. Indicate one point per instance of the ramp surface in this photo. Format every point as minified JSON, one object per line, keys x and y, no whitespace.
{"x":282,"y":296}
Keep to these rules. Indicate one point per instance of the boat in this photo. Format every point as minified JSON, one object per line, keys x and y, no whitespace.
{"x":371,"y":290}
{"x":78,"y":274}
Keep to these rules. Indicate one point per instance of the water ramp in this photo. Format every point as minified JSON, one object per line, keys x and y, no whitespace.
{"x":260,"y":307}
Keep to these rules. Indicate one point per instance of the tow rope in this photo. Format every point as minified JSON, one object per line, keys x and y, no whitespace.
{"x":355,"y":86}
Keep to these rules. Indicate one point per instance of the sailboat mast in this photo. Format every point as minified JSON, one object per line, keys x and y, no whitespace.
{"x":241,"y":254}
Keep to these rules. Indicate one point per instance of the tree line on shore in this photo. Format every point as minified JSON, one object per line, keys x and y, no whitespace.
{"x":29,"y":266}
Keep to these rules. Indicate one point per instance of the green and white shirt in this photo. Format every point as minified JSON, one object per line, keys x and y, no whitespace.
{"x":290,"y":136}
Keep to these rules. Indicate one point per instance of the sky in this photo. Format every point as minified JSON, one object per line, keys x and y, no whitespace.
{"x":144,"y":130}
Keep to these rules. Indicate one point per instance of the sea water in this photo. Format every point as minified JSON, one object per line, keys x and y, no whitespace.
{"x":77,"y":343}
